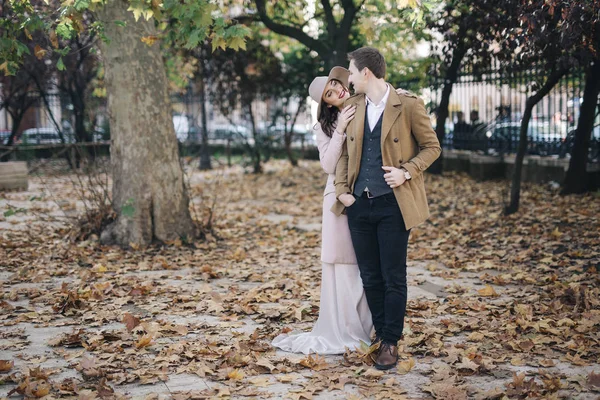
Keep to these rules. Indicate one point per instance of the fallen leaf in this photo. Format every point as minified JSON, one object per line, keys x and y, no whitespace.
{"x":130,"y":321}
{"x":235,"y":375}
{"x":144,"y":341}
{"x":405,"y":366}
{"x":6,"y":365}
{"x":261,"y":381}
{"x":487,"y":291}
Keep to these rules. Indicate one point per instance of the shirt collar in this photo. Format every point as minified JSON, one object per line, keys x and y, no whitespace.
{"x":383,"y":99}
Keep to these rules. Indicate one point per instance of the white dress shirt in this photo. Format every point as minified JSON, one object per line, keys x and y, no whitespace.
{"x":374,"y":111}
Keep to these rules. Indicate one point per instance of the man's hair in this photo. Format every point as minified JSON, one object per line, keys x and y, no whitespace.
{"x":370,"y":58}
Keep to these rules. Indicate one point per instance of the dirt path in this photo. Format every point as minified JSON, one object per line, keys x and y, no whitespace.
{"x":498,"y":307}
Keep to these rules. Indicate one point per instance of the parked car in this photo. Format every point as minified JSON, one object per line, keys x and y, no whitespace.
{"x":36,"y":136}
{"x":503,"y":137}
{"x":182,"y":127}
{"x":221,"y":134}
{"x":301,"y":135}
{"x":4,"y":135}
{"x":569,"y":141}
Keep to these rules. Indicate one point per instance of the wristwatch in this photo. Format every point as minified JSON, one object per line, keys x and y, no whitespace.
{"x":406,"y":174}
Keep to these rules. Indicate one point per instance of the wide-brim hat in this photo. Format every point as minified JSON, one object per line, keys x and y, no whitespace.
{"x":317,"y":86}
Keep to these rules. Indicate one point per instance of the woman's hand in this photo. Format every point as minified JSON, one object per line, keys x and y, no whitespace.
{"x":347,"y":199}
{"x":344,"y":117}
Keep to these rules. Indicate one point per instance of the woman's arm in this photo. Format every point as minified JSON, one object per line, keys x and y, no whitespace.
{"x":330,"y":149}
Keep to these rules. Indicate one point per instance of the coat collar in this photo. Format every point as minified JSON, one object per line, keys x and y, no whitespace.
{"x":392,"y":110}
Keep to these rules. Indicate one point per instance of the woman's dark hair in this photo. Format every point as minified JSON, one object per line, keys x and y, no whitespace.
{"x":328,"y":118}
{"x":329,"y":115}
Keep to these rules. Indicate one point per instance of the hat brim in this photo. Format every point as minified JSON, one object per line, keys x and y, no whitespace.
{"x":338,"y":73}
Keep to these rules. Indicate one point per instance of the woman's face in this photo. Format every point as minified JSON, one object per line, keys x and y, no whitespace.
{"x":335,"y":93}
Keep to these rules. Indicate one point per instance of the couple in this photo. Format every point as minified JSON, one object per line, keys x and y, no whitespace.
{"x":375,"y":146}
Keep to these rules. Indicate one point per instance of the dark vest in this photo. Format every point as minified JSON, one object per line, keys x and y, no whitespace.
{"x":370,"y":174}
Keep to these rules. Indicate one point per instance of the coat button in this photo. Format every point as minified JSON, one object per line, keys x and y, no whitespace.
{"x":396,"y":139}
{"x":351,"y":137}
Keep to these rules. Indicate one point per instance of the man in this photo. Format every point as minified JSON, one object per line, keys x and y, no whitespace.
{"x":379,"y":181}
{"x":462,"y":132}
{"x":478,"y":137}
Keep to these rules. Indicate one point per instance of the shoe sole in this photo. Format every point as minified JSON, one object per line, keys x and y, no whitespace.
{"x":385,"y":367}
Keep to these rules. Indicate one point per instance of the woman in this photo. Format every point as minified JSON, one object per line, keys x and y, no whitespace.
{"x":344,"y":316}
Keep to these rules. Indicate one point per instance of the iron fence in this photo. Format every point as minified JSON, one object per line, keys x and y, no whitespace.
{"x":486,"y":108}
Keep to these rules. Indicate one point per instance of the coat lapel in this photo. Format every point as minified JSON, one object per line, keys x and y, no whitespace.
{"x":359,"y":128}
{"x":392,"y":110}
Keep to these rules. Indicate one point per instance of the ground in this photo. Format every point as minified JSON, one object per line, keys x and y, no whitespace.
{"x":499,"y":307}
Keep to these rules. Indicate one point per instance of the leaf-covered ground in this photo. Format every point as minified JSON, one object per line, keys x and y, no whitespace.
{"x":500,"y":307}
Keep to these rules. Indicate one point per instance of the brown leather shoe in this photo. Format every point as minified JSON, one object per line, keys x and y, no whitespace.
{"x":387,"y":357}
{"x":374,"y":348}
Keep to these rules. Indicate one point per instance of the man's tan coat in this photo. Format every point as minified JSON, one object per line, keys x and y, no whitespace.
{"x":407,"y":141}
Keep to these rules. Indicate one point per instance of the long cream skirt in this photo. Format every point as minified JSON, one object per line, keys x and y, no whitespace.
{"x":344,"y":316}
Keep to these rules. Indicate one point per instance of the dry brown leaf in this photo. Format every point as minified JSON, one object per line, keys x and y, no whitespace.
{"x":235,"y":375}
{"x":130,"y":321}
{"x":263,"y":362}
{"x":6,"y":365}
{"x":488,"y":291}
{"x":373,"y":373}
{"x":593,"y":381}
{"x":316,"y":363}
{"x":144,"y":341}
{"x":476,"y":337}
{"x":404,"y":367}
{"x":261,"y":381}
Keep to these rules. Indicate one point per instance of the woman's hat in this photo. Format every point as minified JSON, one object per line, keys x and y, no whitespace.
{"x":317,"y":87}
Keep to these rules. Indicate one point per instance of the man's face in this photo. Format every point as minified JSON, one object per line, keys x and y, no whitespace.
{"x":357,"y":78}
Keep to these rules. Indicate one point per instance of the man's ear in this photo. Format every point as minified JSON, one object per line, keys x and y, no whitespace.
{"x":366,"y":71}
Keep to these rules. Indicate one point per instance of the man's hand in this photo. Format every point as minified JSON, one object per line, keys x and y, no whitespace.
{"x":347,"y":199}
{"x":394,"y":176}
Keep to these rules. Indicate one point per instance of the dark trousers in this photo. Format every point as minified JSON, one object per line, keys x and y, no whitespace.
{"x":380,"y":241}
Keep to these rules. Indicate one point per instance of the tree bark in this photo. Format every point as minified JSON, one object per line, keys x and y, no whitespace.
{"x":577,"y":177}
{"x":149,"y":194}
{"x":442,"y":110}
{"x":515,"y":189}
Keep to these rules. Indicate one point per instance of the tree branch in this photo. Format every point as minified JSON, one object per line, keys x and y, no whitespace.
{"x":290,"y":31}
{"x":330,"y":20}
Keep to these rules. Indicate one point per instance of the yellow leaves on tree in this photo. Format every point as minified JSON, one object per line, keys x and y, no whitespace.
{"x":39,"y":52}
{"x":149,"y":40}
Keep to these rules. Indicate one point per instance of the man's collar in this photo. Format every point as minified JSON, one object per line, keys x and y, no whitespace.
{"x":383,"y":99}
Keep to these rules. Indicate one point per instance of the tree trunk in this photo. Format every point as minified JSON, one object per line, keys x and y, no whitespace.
{"x":254,"y":150}
{"x":577,"y":178}
{"x":204,"y":150}
{"x":288,"y":149}
{"x":442,"y":110}
{"x":149,"y":195}
{"x":515,"y":189}
{"x":289,"y":136}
